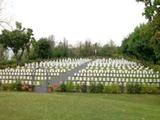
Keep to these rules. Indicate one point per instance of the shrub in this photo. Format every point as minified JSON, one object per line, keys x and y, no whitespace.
{"x":113,"y":88}
{"x":134,"y":88}
{"x":5,"y":64}
{"x":92,"y":88}
{"x":70,"y":86}
{"x":130,"y":88}
{"x":12,"y":87}
{"x":138,"y":88}
{"x":107,"y":89}
{"x":150,"y":89}
{"x":99,"y":88}
{"x":77,"y":88}
{"x":6,"y":87}
{"x":63,"y":87}
{"x":18,"y":86}
{"x":84,"y":88}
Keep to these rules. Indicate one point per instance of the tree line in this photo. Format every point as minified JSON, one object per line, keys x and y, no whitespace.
{"x":24,"y":46}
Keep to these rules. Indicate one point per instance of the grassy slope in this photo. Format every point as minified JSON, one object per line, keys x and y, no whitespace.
{"x":59,"y":106}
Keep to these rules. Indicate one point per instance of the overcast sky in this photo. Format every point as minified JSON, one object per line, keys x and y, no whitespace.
{"x":78,"y":20}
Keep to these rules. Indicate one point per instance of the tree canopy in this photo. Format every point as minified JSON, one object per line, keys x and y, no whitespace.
{"x":18,"y":40}
{"x":152,"y":8}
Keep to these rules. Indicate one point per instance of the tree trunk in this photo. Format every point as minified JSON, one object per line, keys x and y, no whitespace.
{"x":19,"y":57}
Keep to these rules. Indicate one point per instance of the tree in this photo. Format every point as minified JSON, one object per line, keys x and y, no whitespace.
{"x":65,"y":45}
{"x":96,"y":49}
{"x":155,"y":43}
{"x":87,"y":49}
{"x":51,"y":41}
{"x":43,"y":49}
{"x":109,"y":49}
{"x":18,"y":40}
{"x":138,"y":43}
{"x":59,"y":50}
{"x":2,"y":50}
{"x":152,"y":8}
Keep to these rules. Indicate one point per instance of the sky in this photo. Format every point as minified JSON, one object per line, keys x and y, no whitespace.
{"x":79,"y":20}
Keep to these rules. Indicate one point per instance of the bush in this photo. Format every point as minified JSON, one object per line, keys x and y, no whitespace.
{"x":150,"y":89}
{"x":63,"y":87}
{"x":99,"y":88}
{"x":134,"y":88}
{"x":6,"y":64}
{"x":7,"y":87}
{"x":70,"y":87}
{"x":11,"y":87}
{"x":92,"y":88}
{"x":18,"y":86}
{"x":84,"y":88}
{"x":113,"y":88}
{"x":138,"y":88}
{"x":77,"y":88}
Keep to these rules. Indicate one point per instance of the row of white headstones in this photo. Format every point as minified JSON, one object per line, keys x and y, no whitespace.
{"x":110,"y":71}
{"x":44,"y":70}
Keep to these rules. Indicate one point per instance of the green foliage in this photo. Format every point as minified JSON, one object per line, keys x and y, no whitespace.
{"x":112,"y":89}
{"x":11,"y":87}
{"x":150,"y":89}
{"x":134,"y":88}
{"x":144,"y":42}
{"x":5,"y":87}
{"x":84,"y":88}
{"x":2,"y":52}
{"x":63,"y":87}
{"x":96,"y":88}
{"x":151,"y":8}
{"x":155,"y":43}
{"x":59,"y":51}
{"x":6,"y":64}
{"x":138,"y":43}
{"x":70,"y":87}
{"x":77,"y":88}
{"x":18,"y":86}
{"x":42,"y":49}
{"x":18,"y":40}
{"x":99,"y":88}
{"x":62,"y":50}
{"x":92,"y":88}
{"x":109,"y":49}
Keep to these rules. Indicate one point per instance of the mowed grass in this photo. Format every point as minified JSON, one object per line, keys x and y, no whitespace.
{"x":72,"y":106}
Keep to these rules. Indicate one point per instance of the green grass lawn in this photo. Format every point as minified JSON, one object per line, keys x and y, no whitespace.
{"x":61,"y":106}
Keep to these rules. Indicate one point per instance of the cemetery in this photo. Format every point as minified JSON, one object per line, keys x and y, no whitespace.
{"x":120,"y":71}
{"x":79,"y":60}
{"x":106,"y":72}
